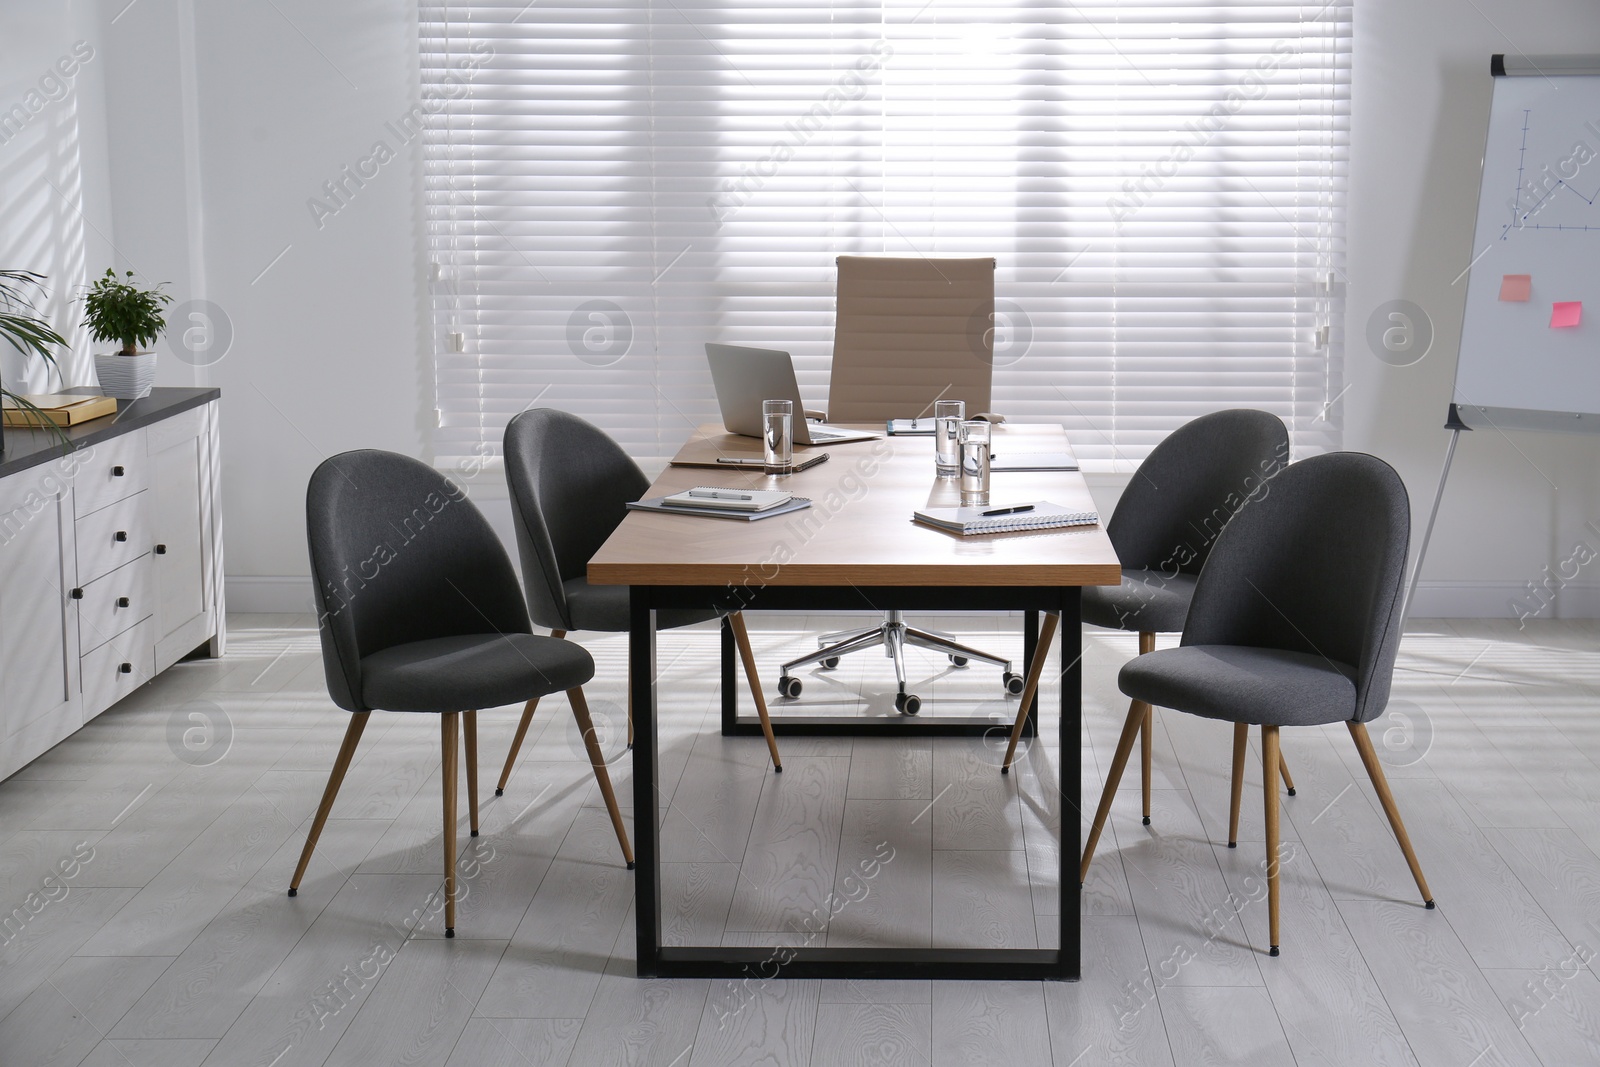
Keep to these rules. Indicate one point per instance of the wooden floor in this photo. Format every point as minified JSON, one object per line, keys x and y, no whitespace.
{"x":172,"y":824}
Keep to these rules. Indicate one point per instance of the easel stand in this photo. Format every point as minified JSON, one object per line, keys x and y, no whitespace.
{"x":1454,"y":424}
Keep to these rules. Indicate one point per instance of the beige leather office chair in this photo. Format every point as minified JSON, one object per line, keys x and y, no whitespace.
{"x":907,"y":332}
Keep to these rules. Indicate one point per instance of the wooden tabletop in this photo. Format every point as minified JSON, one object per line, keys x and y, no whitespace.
{"x":859,"y":529}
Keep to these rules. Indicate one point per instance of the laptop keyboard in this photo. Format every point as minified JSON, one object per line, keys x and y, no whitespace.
{"x":825,"y":435}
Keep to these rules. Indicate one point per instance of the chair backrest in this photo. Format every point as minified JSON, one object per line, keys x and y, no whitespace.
{"x":570,"y":486}
{"x":1192,"y":484}
{"x":399,"y":554}
{"x":907,"y":332}
{"x":1316,"y":566}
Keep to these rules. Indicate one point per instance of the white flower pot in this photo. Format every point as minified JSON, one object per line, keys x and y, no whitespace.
{"x":126,"y":377}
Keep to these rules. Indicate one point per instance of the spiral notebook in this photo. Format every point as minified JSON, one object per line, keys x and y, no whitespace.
{"x":1003,"y":518}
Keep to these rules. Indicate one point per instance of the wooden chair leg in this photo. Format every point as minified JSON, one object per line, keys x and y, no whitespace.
{"x":341,"y":764}
{"x":1241,"y":735}
{"x":580,"y":712}
{"x":1147,"y":644}
{"x":522,"y":731}
{"x":742,"y":636}
{"x":469,"y":730}
{"x":1269,"y":791}
{"x":1283,"y":768}
{"x":1030,"y":688}
{"x":1369,"y":759}
{"x":449,"y":736}
{"x":1130,"y":730}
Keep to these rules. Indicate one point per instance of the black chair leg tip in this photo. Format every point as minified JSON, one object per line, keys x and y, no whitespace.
{"x":450,"y":931}
{"x":293,"y":892}
{"x":1274,"y":951}
{"x":1233,"y":844}
{"x":474,"y":833}
{"x":1005,"y":770}
{"x":499,"y":792}
{"x":630,"y":865}
{"x":1426,"y":904}
{"x":630,"y":746}
{"x":1291,"y":792}
{"x":777,"y":768}
{"x":1147,"y":820}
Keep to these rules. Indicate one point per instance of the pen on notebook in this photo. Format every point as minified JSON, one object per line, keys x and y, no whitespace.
{"x":1010,"y":511}
{"x":714,"y":495}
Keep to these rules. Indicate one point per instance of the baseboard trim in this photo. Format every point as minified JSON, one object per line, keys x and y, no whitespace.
{"x":285,"y":594}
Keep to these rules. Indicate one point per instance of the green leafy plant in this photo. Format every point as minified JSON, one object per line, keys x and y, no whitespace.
{"x":117,"y":310}
{"x":29,"y":334}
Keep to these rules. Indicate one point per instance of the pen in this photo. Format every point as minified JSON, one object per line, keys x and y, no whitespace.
{"x":714,"y":495}
{"x":1010,"y":511}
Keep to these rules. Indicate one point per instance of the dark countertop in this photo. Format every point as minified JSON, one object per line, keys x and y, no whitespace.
{"x":26,"y":448}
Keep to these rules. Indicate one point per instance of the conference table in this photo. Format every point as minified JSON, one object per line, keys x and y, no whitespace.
{"x":855,"y":548}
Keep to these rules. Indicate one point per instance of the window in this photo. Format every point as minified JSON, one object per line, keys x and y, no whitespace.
{"x":610,"y":185}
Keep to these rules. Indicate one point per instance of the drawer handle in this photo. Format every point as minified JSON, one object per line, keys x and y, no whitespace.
{"x":122,"y":601}
{"x":126,"y":668}
{"x":77,"y":594}
{"x":121,"y":535}
{"x":117,"y":472}
{"x":161,"y":550}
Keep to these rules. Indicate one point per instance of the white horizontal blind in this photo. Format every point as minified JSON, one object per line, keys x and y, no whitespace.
{"x":611,"y":185}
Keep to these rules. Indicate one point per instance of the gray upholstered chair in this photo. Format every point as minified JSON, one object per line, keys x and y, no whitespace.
{"x":418,"y":610}
{"x":570,"y":488}
{"x":1295,"y":621}
{"x":1164,"y":525}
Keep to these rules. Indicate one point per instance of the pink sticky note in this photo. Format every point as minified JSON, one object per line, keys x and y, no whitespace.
{"x":1516,"y":286}
{"x":1566,"y":313}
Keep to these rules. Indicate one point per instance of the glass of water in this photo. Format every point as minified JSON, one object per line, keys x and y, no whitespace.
{"x":974,"y":464}
{"x":777,"y":434}
{"x":947,"y":418}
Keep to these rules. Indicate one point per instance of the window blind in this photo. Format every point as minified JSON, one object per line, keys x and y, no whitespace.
{"x":610,"y":185}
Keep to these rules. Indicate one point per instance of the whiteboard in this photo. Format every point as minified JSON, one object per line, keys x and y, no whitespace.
{"x":1538,"y":215}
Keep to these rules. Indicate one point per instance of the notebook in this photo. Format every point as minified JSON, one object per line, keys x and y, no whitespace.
{"x":1040,"y":515}
{"x":1033,"y":461}
{"x":654,"y":503}
{"x":725,"y":499}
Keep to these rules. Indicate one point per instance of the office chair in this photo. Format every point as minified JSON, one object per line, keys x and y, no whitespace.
{"x":1164,"y":527}
{"x":907,"y":332}
{"x":1295,"y":621}
{"x":418,"y":611}
{"x":570,"y":487}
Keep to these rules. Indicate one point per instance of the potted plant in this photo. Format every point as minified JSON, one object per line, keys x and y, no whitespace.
{"x":116,"y":310}
{"x":28,"y":333}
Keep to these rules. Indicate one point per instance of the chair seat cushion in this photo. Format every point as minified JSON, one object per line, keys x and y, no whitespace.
{"x":1240,"y":684}
{"x":1147,"y":601}
{"x":605,"y":608}
{"x":472,"y":671}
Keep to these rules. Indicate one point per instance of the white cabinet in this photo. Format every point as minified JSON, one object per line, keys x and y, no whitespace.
{"x":110,"y":567}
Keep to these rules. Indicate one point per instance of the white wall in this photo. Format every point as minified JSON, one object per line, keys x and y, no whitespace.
{"x":225,"y":119}
{"x":1517,"y":502}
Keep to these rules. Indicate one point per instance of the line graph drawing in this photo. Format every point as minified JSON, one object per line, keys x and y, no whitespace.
{"x":1519,"y":218}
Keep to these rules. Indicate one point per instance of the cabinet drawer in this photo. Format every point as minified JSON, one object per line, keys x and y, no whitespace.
{"x":115,"y":470}
{"x":116,"y":601}
{"x":118,"y":667}
{"x":113,"y":536}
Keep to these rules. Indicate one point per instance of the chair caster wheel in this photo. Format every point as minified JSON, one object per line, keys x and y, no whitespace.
{"x":449,"y":931}
{"x":788,"y":687}
{"x":1013,"y":682}
{"x":1147,"y":820}
{"x":907,"y":703}
{"x":830,"y":663}
{"x":293,"y":892}
{"x":499,"y":792}
{"x":958,"y":661}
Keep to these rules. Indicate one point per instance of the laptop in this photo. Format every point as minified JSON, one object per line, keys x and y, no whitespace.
{"x":744,"y":377}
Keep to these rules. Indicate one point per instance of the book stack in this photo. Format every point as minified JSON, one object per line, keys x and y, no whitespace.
{"x":723,"y":503}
